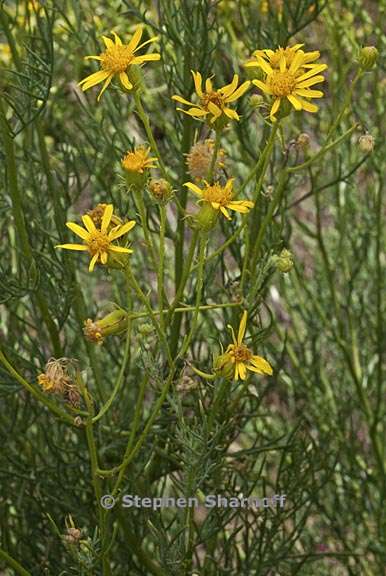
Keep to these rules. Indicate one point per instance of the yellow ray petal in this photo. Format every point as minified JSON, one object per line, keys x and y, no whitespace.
{"x":242,"y":327}
{"x":239,"y":92}
{"x":132,"y":45}
{"x":230,"y":88}
{"x":225,"y":212}
{"x":93,"y":262}
{"x":146,"y":58}
{"x":108,"y":42}
{"x":264,"y":87}
{"x":121,"y":230}
{"x":197,"y":78}
{"x":310,"y":82}
{"x":261,"y":364}
{"x":193,"y":188}
{"x":120,"y":250}
{"x":118,"y":41}
{"x":295,"y":102}
{"x":105,"y":85}
{"x":308,"y":106}
{"x":104,"y":256}
{"x":182,"y":100}
{"x":93,"y":79}
{"x":125,"y":81}
{"x":81,"y":247}
{"x":242,"y":371}
{"x":265,"y":66}
{"x":232,"y":114}
{"x":209,"y":85}
{"x":106,"y":218}
{"x":311,"y":72}
{"x":153,"y":39}
{"x":78,"y":230}
{"x":274,"y":109}
{"x":87,"y":221}
{"x":309,"y":93}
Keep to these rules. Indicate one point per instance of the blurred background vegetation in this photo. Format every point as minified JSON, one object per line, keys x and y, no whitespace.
{"x":314,"y":431}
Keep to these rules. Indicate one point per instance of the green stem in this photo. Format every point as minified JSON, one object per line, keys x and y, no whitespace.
{"x":144,"y":299}
{"x":13,"y":563}
{"x":199,"y":289}
{"x":161,"y":266}
{"x":149,"y":133}
{"x":214,"y":157}
{"x":94,"y":473}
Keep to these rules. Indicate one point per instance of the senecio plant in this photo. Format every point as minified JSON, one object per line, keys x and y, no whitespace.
{"x":192,"y":344}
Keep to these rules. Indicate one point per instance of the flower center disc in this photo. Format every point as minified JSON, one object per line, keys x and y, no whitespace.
{"x":98,"y":242}
{"x":116,"y":59}
{"x":282,"y":83}
{"x":242,"y":353}
{"x":214,"y":97}
{"x":217,"y":193}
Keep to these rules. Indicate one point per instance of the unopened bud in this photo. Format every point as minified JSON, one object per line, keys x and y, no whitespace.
{"x":206,"y":218}
{"x":223,"y":366}
{"x":161,"y":190}
{"x":284,"y":262}
{"x":368,"y":57}
{"x":366,"y":143}
{"x":256,"y":101}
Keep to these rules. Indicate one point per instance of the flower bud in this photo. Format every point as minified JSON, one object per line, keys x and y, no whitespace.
{"x":113,"y":323}
{"x":366,"y":143}
{"x":284,"y":262}
{"x":145,"y":329}
{"x":161,"y":190}
{"x":206,"y":218}
{"x":223,"y":366}
{"x":368,"y":57}
{"x":256,"y":101}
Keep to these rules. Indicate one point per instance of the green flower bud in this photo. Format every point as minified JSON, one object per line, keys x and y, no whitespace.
{"x":256,"y":101}
{"x":223,"y":366}
{"x":368,"y":57}
{"x":284,"y":262}
{"x":206,"y":218}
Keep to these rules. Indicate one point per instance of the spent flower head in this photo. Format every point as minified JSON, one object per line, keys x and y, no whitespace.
{"x":289,"y":75}
{"x":238,"y":358}
{"x":99,"y":240}
{"x":117,"y":60}
{"x":199,"y":159}
{"x":213,"y":103}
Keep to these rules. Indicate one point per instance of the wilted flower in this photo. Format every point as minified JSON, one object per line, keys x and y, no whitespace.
{"x":113,"y":323}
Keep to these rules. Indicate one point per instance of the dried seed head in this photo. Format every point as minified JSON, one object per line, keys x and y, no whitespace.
{"x":200,"y":157}
{"x":366,"y":143}
{"x":303,"y":141}
{"x":55,"y":379}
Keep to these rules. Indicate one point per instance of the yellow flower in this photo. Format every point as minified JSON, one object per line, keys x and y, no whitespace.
{"x":213,"y":103}
{"x":117,"y":59}
{"x":290,"y":78}
{"x":242,"y":358}
{"x":99,"y":242}
{"x":221,"y":197}
{"x":138,"y":160}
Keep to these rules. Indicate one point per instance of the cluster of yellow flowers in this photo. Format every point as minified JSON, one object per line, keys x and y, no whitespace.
{"x":286,"y":74}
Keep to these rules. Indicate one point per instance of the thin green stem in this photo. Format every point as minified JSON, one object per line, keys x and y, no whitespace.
{"x":13,"y":563}
{"x":161,"y":266}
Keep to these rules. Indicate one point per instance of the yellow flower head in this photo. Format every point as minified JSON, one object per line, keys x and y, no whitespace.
{"x":220,"y":197}
{"x":242,"y":358}
{"x":138,"y":160}
{"x":117,"y":59}
{"x":213,"y":104}
{"x":99,"y":240}
{"x":290,"y":73}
